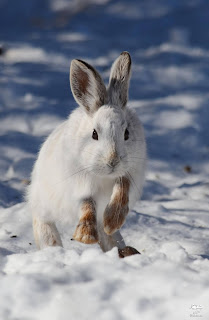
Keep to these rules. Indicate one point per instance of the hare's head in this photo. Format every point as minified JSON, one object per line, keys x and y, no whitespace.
{"x":110,"y":132}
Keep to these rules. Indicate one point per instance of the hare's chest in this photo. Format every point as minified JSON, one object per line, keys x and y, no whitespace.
{"x":99,"y":189}
{"x":102,"y":197}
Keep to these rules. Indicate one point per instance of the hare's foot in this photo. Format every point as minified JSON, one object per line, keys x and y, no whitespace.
{"x":127,"y":251}
{"x":86,"y":230}
{"x":117,"y":210}
{"x":45,"y":234}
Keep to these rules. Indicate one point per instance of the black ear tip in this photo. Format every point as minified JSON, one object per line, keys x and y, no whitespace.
{"x":126,"y":55}
{"x":80,"y":62}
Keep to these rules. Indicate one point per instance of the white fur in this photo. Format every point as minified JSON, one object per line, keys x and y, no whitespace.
{"x":71,"y":166}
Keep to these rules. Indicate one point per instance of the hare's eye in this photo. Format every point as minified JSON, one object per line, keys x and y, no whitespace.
{"x":95,"y":135}
{"x":126,"y":134}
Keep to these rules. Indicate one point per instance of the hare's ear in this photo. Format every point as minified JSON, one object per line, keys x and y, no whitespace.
{"x":119,"y":80}
{"x":87,"y":86}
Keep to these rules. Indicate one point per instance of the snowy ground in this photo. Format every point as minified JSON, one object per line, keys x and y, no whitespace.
{"x":169,"y":44}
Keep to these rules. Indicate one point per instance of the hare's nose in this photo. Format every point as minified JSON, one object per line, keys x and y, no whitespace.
{"x":113,"y":162}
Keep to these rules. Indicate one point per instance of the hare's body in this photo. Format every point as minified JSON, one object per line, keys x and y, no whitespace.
{"x":93,"y":181}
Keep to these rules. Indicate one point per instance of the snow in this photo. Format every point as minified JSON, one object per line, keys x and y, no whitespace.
{"x":169,"y":45}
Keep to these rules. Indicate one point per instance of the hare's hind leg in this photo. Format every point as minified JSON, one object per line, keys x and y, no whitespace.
{"x":45,"y":234}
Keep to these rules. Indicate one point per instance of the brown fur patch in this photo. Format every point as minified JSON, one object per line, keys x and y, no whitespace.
{"x":83,"y":80}
{"x":88,"y":211}
{"x":86,"y":230}
{"x":117,"y":210}
{"x":112,"y":156}
{"x":54,"y":243}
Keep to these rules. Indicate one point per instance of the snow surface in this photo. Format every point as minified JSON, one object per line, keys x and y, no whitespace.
{"x":169,"y":44}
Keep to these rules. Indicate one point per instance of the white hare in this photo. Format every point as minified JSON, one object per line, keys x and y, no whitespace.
{"x":90,"y":170}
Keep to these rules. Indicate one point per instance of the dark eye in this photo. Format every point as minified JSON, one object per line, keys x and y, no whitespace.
{"x":126,"y":134}
{"x":95,"y":135}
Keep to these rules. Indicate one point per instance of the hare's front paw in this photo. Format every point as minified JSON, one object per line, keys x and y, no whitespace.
{"x":114,"y":217}
{"x":86,"y":232}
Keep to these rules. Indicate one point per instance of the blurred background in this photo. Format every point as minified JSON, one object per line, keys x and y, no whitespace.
{"x":169,"y":44}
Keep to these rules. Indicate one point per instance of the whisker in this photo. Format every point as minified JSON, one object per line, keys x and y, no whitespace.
{"x":132,"y":157}
{"x":138,"y":158}
{"x":135,"y":169}
{"x":80,"y":171}
{"x":68,"y":177}
{"x":92,"y":154}
{"x":132,"y":161}
{"x":138,"y":140}
{"x":134,"y":182}
{"x":63,"y":180}
{"x":130,"y":180}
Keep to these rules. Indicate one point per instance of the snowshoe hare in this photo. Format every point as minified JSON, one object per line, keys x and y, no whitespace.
{"x":90,"y":170}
